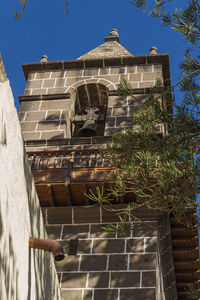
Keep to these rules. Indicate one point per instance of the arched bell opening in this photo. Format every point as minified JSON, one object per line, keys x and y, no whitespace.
{"x":90,"y":110}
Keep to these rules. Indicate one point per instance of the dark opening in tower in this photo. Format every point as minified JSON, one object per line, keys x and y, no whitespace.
{"x":90,"y":110}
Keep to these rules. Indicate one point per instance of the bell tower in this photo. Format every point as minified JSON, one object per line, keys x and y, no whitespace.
{"x":68,"y":112}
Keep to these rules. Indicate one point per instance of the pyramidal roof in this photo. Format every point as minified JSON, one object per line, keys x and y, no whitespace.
{"x":111,"y":48}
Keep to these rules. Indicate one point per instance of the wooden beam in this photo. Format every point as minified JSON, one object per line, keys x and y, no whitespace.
{"x":50,"y":194}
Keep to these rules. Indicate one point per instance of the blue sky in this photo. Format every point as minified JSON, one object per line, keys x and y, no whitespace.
{"x":45,"y":28}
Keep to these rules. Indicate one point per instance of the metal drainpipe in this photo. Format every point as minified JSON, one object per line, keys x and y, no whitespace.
{"x":48,"y":245}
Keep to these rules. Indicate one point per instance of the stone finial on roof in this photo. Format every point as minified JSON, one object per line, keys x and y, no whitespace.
{"x":44,"y":58}
{"x":153,"y":51}
{"x":113,"y":36}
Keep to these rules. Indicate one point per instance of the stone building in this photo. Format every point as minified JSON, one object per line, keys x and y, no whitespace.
{"x":68,"y":112}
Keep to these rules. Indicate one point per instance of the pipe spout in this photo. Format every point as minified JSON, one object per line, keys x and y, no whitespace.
{"x":48,"y":245}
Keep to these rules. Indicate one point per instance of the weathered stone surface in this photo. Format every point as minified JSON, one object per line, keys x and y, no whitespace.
{"x":112,"y":78}
{"x":60,"y":83}
{"x":90,"y":72}
{"x":86,"y":215}
{"x":57,"y":74}
{"x":27,"y":92}
{"x":74,"y":73}
{"x":131,"y":69}
{"x":135,"y":77}
{"x":54,"y":232}
{"x":72,"y":295}
{"x":87,"y":294}
{"x":35,"y":116}
{"x":157,"y":68}
{"x":144,"y":68}
{"x":146,"y":84}
{"x":107,"y":49}
{"x":54,"y":104}
{"x":52,"y":135}
{"x":117,"y":70}
{"x":69,"y":263}
{"x":56,"y":215}
{"x":105,"y":294}
{"x":21,"y":116}
{"x":48,"y":125}
{"x":104,"y":71}
{"x":108,"y":246}
{"x":148,"y":279}
{"x":29,"y":106}
{"x":142,"y":262}
{"x":71,"y":80}
{"x":125,"y":279}
{"x":148,"y":229}
{"x":152,"y":76}
{"x":42,"y":75}
{"x":98,"y":280}
{"x":123,"y":121}
{"x":53,"y":115}
{"x":48,"y":83}
{"x":118,"y":262}
{"x":34,"y":84}
{"x":65,"y":114}
{"x":110,"y":122}
{"x":31,"y":135}
{"x":93,"y":262}
{"x":75,"y":231}
{"x":97,"y":231}
{"x":139,"y":294}
{"x":32,"y":76}
{"x":134,"y":85}
{"x":119,"y":111}
{"x":84,"y":246}
{"x":74,"y":280}
{"x":150,"y":245}
{"x":110,"y":216}
{"x":135,"y":245}
{"x":60,"y":90}
{"x":117,"y":101}
{"x":28,"y":126}
{"x":39,"y":92}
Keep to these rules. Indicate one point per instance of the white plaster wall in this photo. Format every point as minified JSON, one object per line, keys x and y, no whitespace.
{"x":25,"y":273}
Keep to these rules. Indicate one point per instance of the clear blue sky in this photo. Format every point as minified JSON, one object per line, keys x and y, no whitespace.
{"x":45,"y":28}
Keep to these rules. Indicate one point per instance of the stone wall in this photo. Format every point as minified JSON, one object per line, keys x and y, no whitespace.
{"x":101,"y":265}
{"x":46,"y":116}
{"x":59,"y":82}
{"x":26,"y":274}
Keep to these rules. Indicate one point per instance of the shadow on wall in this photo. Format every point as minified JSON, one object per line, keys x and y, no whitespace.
{"x":8,"y":270}
{"x":42,"y":277}
{"x":26,"y":274}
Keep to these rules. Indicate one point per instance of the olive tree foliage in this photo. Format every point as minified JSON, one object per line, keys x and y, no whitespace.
{"x":158,"y":160}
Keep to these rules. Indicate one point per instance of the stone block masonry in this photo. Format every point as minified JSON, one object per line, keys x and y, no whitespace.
{"x":50,"y":118}
{"x":58,"y":82}
{"x":45,"y":119}
{"x":104,"y":265}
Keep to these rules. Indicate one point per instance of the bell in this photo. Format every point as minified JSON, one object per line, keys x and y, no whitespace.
{"x":88,"y":129}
